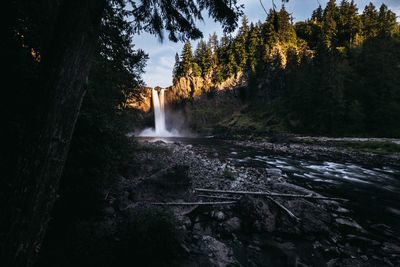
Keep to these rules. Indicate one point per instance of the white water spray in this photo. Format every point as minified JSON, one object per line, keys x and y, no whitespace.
{"x":159,"y":117}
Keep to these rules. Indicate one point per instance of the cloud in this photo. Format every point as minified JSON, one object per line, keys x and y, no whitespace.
{"x":167,"y":61}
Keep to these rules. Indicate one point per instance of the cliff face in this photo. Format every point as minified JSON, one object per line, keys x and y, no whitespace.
{"x":192,"y":88}
{"x":201,"y":105}
{"x":143,"y":102}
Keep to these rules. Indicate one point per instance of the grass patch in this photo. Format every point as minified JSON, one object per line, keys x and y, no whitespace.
{"x":228,"y":175}
{"x":379,"y":147}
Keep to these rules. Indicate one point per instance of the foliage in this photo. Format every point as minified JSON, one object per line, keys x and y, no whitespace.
{"x":334,"y":73}
{"x":383,"y":147}
{"x":50,"y":46}
{"x":178,"y":17}
{"x":99,"y":150}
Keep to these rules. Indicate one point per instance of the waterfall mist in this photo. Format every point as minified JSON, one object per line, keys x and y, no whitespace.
{"x":160,"y":129}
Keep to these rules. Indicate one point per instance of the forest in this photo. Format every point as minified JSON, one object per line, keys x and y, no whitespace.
{"x":334,"y":74}
{"x":287,"y":151}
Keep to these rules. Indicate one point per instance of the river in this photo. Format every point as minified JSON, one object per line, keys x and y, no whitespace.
{"x":373,"y":191}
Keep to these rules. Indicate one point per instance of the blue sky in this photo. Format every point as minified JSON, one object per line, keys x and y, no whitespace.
{"x":162,"y":55}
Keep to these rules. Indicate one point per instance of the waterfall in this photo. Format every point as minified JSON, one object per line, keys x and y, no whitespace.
{"x":159,"y":117}
{"x":159,"y":112}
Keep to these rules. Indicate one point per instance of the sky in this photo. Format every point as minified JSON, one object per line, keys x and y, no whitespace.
{"x":158,"y":71}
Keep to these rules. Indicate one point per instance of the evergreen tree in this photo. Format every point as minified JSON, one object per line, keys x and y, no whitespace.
{"x":336,"y":77}
{"x":254,"y":45}
{"x":212,"y":46}
{"x":329,"y":26}
{"x":213,"y":42}
{"x":240,"y":43}
{"x":369,"y":19}
{"x":58,"y":60}
{"x":177,"y":71}
{"x":285,"y":27}
{"x":269,"y":29}
{"x":203,"y":58}
{"x":186,"y":59}
{"x":317,"y":15}
{"x":311,"y":30}
{"x":386,"y":22}
{"x":349,"y":24}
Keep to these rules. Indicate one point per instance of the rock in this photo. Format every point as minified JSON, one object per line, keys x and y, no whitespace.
{"x":232,"y":225}
{"x":219,"y":216}
{"x":362,"y":240}
{"x":201,"y":230}
{"x":172,"y":177}
{"x":254,"y":247}
{"x":109,"y":210}
{"x":274,"y":172}
{"x":342,"y":210}
{"x":391,"y":248}
{"x":256,"y":214}
{"x":187,"y":222}
{"x":169,"y":182}
{"x":348,"y":262}
{"x":314,"y":219}
{"x":219,"y":254}
{"x":349,"y":224}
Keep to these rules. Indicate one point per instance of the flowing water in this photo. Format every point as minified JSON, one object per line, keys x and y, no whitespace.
{"x":373,"y":191}
{"x":160,"y":128}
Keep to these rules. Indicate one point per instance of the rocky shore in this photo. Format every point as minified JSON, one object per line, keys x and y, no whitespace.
{"x":252,"y":231}
{"x":354,"y":150}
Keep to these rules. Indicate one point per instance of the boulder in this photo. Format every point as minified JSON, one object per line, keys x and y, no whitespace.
{"x":256,"y":214}
{"x":313,"y":218}
{"x":232,"y":225}
{"x":219,"y":254}
{"x":172,"y":177}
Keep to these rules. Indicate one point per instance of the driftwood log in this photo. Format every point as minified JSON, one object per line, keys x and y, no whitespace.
{"x":267,"y":194}
{"x":193,"y":203}
{"x":233,"y":200}
{"x":219,"y":197}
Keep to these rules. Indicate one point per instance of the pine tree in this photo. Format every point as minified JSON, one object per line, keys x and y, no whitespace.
{"x":240,"y":44}
{"x":254,"y":45}
{"x":203,"y":58}
{"x":269,"y":28}
{"x":329,"y":27}
{"x":311,"y":30}
{"x":317,"y":15}
{"x":349,"y":24}
{"x":177,"y":71}
{"x":212,"y":46}
{"x":369,"y":19}
{"x":285,"y":27}
{"x":186,"y":59}
{"x":386,"y":22}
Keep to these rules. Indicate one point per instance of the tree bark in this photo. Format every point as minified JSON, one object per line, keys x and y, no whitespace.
{"x":32,"y":190}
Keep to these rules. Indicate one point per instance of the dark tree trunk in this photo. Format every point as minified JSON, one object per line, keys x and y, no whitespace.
{"x":32,"y":189}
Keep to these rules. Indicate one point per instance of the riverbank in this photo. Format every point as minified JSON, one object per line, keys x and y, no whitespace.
{"x":373,"y":151}
{"x":253,"y":231}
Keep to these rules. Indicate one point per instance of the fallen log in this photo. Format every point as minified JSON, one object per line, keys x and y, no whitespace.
{"x":193,"y":203}
{"x":270,"y":194}
{"x":219,"y":197}
{"x":279,"y":205}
